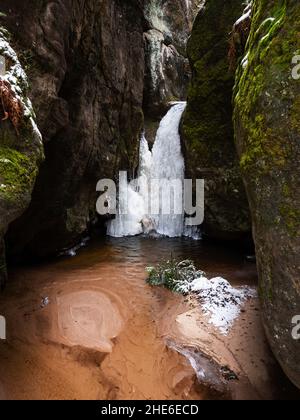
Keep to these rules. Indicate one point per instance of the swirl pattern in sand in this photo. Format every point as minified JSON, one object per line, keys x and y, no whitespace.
{"x":88,"y":319}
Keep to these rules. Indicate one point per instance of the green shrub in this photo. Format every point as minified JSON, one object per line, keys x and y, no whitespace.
{"x":174,"y":275}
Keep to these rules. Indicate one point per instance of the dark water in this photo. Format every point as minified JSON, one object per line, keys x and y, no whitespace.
{"x":216,"y":260}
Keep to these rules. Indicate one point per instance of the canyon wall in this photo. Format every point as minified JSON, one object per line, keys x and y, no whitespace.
{"x":93,"y":69}
{"x":167,"y":75}
{"x":85,"y":62}
{"x":267,"y":110}
{"x":91,"y":78}
{"x":208,"y":128}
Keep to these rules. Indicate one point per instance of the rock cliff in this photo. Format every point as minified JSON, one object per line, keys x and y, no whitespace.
{"x":167,"y":69}
{"x":267,"y":105}
{"x":93,"y":68}
{"x":85,"y":62}
{"x":207,"y":127}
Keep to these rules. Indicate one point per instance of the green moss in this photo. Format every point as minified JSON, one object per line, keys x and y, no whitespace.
{"x":269,"y":59}
{"x":263,"y":142}
{"x":17,"y":173}
{"x":265,"y":293}
{"x":291,"y":218}
{"x":207,"y":126}
{"x":295,"y":114}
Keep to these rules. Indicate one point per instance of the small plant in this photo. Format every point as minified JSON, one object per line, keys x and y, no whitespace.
{"x":218,"y":299}
{"x":173,"y":274}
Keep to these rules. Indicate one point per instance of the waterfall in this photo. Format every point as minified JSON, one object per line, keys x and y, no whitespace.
{"x":141,"y":207}
{"x":168,"y":165}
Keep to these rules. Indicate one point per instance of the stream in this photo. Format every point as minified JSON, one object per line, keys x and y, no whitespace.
{"x":90,"y":327}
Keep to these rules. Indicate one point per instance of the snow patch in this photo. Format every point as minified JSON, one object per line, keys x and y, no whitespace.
{"x":246,"y":16}
{"x":18,"y":81}
{"x":220,"y":301}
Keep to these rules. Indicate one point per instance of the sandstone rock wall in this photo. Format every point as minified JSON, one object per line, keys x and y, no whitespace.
{"x":85,"y":61}
{"x":267,"y":112}
{"x":167,"y":69}
{"x":207,"y":127}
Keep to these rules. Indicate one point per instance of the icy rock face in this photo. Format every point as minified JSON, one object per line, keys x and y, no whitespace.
{"x":167,"y":68}
{"x":21,"y":150}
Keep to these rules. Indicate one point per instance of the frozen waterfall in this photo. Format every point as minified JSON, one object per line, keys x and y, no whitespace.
{"x":143,"y":203}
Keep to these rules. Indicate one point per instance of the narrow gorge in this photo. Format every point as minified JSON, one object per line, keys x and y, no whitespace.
{"x":149,"y":200}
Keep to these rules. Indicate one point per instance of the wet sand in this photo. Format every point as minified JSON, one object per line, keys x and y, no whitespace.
{"x":103,"y":333}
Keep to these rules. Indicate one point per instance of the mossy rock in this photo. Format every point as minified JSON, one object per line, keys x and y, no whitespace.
{"x":207,"y":126}
{"x":21,"y":152}
{"x":267,"y":123}
{"x":17,"y":174}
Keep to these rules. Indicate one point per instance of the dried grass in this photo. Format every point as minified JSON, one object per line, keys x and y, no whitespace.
{"x":11,"y":106}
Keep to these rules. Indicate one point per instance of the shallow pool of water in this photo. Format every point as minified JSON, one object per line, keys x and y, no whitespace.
{"x":89,"y":327}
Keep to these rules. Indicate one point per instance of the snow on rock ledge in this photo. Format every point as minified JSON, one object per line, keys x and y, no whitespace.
{"x":17,"y":79}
